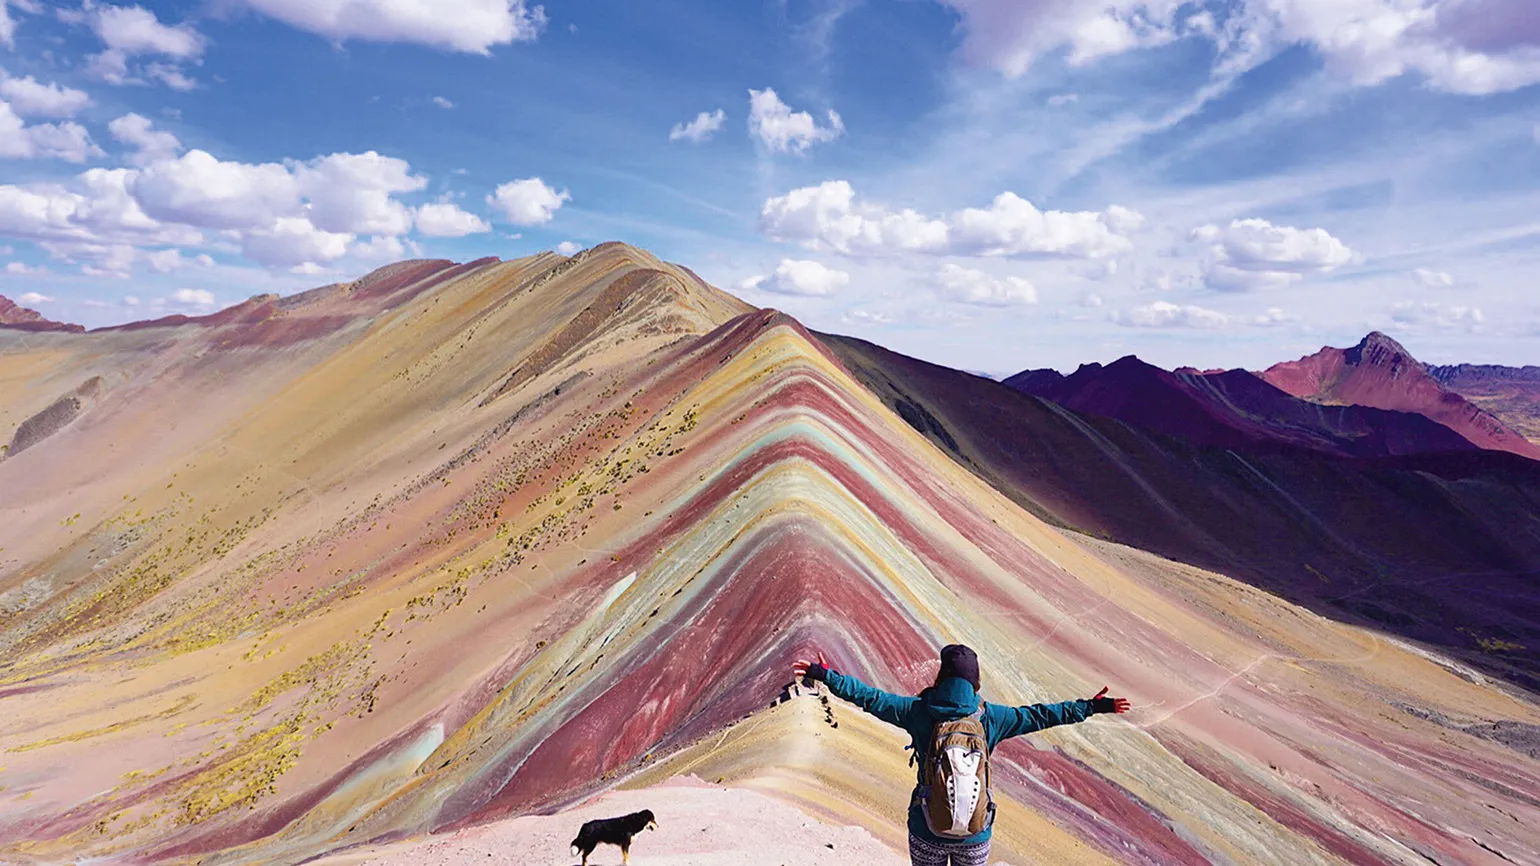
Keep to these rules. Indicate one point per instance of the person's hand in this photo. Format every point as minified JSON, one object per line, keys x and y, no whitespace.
{"x":1103,"y":704}
{"x":810,"y":671}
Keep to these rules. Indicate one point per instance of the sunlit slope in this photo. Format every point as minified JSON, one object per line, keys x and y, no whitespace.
{"x":516,"y":540}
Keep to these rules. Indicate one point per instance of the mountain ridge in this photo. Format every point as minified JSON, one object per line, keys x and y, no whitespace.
{"x":375,"y":582}
{"x":1379,"y":372}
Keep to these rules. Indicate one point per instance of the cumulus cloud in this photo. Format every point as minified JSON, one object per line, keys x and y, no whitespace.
{"x":95,"y":259}
{"x":68,"y":141}
{"x":800,"y":277}
{"x":1253,"y":254}
{"x":29,"y":299}
{"x":202,"y":299}
{"x":29,"y":97}
{"x":199,"y":189}
{"x":1164,"y":314}
{"x":446,"y":220}
{"x":781,"y":130}
{"x":969,"y":286}
{"x":568,"y":248}
{"x":701,"y":128}
{"x":1434,"y":279}
{"x":133,"y":31}
{"x":172,"y":260}
{"x":292,"y":241}
{"x":443,"y":102}
{"x":352,"y":193}
{"x":150,"y":145}
{"x":472,"y":26}
{"x":23,"y":269}
{"x":1433,"y":314}
{"x":830,"y":217}
{"x":378,"y":249}
{"x":527,"y":202}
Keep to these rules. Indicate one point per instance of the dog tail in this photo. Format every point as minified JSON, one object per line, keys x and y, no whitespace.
{"x":575,"y":851}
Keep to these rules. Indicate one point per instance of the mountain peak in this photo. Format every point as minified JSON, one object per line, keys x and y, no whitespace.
{"x":1378,"y":349}
{"x":15,"y":316}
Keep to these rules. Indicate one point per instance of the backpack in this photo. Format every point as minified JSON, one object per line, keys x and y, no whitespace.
{"x":955,"y":792}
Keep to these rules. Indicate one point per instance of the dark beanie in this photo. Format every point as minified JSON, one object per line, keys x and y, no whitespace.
{"x":961,"y":662}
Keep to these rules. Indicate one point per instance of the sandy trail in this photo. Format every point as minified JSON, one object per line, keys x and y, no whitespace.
{"x":698,"y":825}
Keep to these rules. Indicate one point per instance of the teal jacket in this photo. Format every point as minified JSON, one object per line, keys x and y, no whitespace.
{"x":952,"y":698}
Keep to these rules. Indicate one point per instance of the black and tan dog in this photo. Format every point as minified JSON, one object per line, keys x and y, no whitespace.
{"x":613,"y":831}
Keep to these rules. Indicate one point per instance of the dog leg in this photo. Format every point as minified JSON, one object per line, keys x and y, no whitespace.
{"x":625,"y":854}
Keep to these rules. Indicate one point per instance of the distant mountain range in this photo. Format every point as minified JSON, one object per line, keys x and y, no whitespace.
{"x":1376,"y":514}
{"x":1379,"y":372}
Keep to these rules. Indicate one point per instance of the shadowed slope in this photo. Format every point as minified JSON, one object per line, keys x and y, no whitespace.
{"x":1379,"y":372}
{"x":1444,"y":548}
{"x":395,"y":593}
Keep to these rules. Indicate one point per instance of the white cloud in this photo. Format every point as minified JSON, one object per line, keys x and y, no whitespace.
{"x":701,"y":128}
{"x":132,"y":31}
{"x":527,"y":202}
{"x":199,"y":189}
{"x":7,"y":27}
{"x":23,"y":269}
{"x":68,"y":141}
{"x":138,"y":131}
{"x":1434,"y":279}
{"x":351,"y":192}
{"x":171,"y":75}
{"x":1010,"y":35}
{"x":31,"y":98}
{"x":30,"y":299}
{"x":828,"y":216}
{"x":201,"y":298}
{"x":781,"y":130}
{"x":172,"y":260}
{"x":969,"y":286}
{"x":568,"y":248}
{"x":1059,"y":100}
{"x":443,"y":102}
{"x":1428,"y":313}
{"x":95,"y":259}
{"x":1163,"y":314}
{"x":1273,"y":317}
{"x":800,"y":277}
{"x":384,"y":248}
{"x":294,"y":241}
{"x":473,"y":26}
{"x":1458,"y":46}
{"x":130,"y":301}
{"x":446,"y":220}
{"x":1253,"y":254}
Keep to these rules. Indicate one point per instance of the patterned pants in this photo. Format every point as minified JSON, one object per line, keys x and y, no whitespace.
{"x":923,"y":853}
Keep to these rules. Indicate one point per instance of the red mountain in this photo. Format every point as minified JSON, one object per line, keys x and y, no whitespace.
{"x":1379,"y":372}
{"x":19,"y":318}
{"x":1510,"y":393}
{"x":1235,"y":409}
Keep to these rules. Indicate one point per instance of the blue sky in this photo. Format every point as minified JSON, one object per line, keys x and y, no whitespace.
{"x":990,"y":184}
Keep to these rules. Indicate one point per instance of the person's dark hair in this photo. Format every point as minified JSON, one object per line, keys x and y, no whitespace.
{"x":959,"y":661}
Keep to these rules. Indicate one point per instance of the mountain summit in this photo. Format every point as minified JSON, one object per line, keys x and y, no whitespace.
{"x":1379,"y":372}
